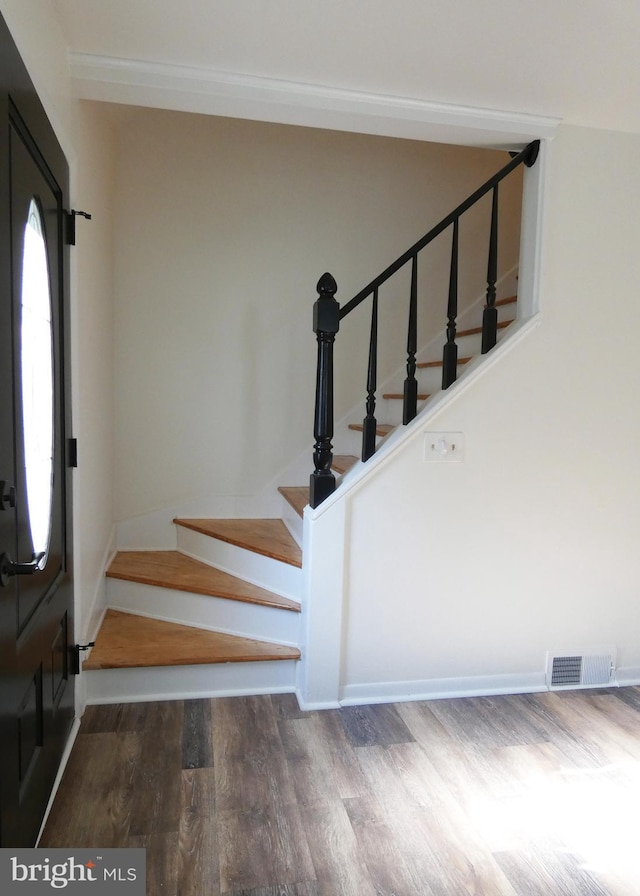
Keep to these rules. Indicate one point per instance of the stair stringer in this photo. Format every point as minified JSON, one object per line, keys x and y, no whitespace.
{"x":320,"y":673}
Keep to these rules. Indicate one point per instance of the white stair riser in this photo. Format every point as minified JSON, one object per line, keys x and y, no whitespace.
{"x":202,"y":611}
{"x":293,"y":522}
{"x":189,"y":682}
{"x":264,"y":571}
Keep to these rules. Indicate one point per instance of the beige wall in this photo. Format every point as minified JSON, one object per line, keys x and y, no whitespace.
{"x":223,"y":228}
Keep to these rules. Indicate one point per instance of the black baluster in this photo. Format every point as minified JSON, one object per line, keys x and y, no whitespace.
{"x":450,"y":351}
{"x":369,"y":423}
{"x":410,"y":405}
{"x":326,"y":322}
{"x":490,"y":314}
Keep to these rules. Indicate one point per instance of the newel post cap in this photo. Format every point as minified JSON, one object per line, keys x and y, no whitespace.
{"x":326,"y":310}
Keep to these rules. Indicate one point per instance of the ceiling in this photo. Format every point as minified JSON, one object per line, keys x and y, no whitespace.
{"x":574,"y":60}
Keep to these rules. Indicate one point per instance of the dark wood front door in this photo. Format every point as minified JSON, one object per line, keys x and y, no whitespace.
{"x":36,"y":595}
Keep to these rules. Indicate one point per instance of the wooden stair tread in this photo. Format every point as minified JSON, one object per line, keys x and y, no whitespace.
{"x":475,"y":331}
{"x":296,"y":495}
{"x":126,"y":641}
{"x":424,"y":364}
{"x":269,"y":537}
{"x":382,"y":429}
{"x":422,"y":396}
{"x":172,"y":569}
{"x":343,"y":462}
{"x":510,"y":300}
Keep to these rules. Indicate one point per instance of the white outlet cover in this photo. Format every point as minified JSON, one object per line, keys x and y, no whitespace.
{"x":444,"y":447}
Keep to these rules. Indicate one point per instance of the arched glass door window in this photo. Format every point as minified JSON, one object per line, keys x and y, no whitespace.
{"x":36,"y":349}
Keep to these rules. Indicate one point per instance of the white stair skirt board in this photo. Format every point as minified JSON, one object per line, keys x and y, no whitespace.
{"x":189,"y":682}
{"x":233,"y":617}
{"x":252,"y":567}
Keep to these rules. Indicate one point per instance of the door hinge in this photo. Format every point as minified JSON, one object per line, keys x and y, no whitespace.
{"x":7,"y":495}
{"x":70,"y":217}
{"x":75,"y":656}
{"x":72,"y":452}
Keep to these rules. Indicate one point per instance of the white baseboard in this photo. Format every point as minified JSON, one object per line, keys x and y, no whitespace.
{"x":310,"y":705}
{"x":627,"y":676}
{"x":442,"y":688}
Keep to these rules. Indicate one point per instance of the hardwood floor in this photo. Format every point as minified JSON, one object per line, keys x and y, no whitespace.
{"x":531,"y":795}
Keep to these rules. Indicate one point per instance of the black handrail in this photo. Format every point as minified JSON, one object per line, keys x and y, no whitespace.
{"x":328,"y":314}
{"x":527,"y":156}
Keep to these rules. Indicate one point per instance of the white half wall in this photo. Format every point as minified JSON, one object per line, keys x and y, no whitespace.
{"x":459,"y":577}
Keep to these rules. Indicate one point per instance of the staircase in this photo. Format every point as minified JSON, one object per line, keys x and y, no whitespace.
{"x":221,"y":614}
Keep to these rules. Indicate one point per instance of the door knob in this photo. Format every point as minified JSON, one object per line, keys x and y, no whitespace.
{"x":7,"y":495}
{"x":8,"y":568}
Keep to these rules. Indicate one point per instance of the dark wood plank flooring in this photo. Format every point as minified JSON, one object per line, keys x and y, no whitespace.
{"x":532,"y":795}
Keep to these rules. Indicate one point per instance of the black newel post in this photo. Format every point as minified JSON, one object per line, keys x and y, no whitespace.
{"x":326,"y":322}
{"x":490,"y":314}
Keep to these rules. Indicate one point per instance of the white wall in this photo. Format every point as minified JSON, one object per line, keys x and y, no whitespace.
{"x":223,"y":229}
{"x":92,"y":261}
{"x":87,"y":140}
{"x":460,"y":577}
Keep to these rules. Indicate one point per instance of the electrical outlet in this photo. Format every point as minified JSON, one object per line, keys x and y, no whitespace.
{"x":444,"y":447}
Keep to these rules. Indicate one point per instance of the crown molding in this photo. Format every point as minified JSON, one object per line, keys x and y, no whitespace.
{"x":212,"y":92}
